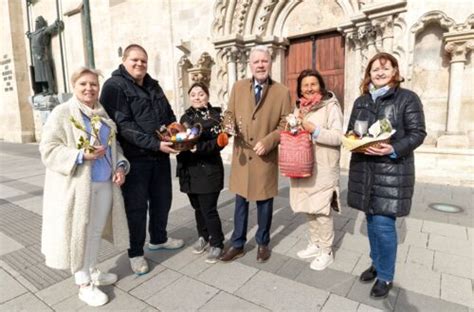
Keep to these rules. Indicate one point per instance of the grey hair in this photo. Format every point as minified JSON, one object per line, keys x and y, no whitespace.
{"x":260,"y":48}
{"x":84,"y":70}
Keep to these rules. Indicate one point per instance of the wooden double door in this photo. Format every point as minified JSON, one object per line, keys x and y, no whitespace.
{"x":325,"y":53}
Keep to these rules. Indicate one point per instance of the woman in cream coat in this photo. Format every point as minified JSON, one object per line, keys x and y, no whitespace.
{"x":318,"y":195}
{"x":82,"y":199}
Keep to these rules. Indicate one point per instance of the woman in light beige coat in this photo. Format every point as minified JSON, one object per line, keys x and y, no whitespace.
{"x":318,"y":195}
{"x":82,"y":198}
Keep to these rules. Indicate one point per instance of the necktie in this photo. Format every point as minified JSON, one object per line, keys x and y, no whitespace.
{"x":258,"y":93}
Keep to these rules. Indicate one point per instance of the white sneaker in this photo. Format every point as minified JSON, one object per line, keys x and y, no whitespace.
{"x":103,"y":278}
{"x":200,"y":246}
{"x":92,"y":295}
{"x":139,"y":265}
{"x":322,"y":261}
{"x":171,"y":243}
{"x":312,"y":250}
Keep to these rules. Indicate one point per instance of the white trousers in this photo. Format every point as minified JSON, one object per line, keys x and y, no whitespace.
{"x":321,"y":230}
{"x":101,"y":203}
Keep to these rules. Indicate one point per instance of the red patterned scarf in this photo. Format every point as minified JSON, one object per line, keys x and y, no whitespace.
{"x":307,"y":105}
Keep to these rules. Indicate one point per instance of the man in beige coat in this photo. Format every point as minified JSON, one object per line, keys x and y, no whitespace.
{"x":259,"y":106}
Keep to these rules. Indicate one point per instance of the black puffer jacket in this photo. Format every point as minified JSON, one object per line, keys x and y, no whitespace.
{"x":138,"y":111}
{"x":202,"y":172}
{"x":380,"y":184}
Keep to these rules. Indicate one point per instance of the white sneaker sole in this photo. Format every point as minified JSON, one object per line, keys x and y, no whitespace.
{"x":321,"y":268}
{"x":94,"y":304}
{"x":106,"y":283}
{"x":307,"y":256}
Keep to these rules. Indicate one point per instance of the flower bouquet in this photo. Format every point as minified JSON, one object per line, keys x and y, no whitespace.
{"x":183,"y":136}
{"x":92,"y":138}
{"x":359,"y":139}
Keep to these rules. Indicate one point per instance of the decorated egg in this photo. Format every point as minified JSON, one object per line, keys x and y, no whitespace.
{"x":173,"y":138}
{"x":188,"y":131}
{"x":195,"y":131}
{"x":181,"y":136}
{"x":191,"y":136}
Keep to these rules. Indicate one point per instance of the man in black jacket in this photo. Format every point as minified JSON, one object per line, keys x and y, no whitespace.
{"x":137,"y":104}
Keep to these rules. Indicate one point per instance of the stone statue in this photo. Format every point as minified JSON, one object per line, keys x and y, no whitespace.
{"x":41,"y":50}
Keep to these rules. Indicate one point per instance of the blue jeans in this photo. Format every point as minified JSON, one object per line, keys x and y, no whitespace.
{"x":241,"y":216}
{"x":383,"y":245}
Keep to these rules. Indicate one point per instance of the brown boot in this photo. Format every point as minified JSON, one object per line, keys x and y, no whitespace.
{"x":263,"y":253}
{"x":231,"y":254}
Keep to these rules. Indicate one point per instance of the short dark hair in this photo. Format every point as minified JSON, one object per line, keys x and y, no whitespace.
{"x":200,"y":85}
{"x":131,"y":47}
{"x":383,"y":57}
{"x":311,"y":73}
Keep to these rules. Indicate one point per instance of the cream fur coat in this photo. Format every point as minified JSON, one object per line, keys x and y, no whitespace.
{"x":320,"y":192}
{"x":67,"y":193}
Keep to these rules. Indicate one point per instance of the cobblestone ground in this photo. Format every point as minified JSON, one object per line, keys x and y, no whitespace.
{"x":434,"y":261}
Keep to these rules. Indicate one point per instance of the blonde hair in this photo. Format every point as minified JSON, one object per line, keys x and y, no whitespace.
{"x":131,"y":47}
{"x":84,"y":70}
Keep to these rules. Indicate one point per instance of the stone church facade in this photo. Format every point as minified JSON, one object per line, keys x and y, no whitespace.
{"x":204,"y":40}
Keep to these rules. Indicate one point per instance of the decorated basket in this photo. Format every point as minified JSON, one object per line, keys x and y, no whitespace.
{"x":360,"y":145}
{"x":171,"y":135}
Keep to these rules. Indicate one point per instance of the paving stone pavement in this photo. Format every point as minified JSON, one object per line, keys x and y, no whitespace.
{"x":434,"y":261}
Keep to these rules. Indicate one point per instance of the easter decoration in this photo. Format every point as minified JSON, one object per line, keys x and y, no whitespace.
{"x":183,"y":136}
{"x":360,"y":138}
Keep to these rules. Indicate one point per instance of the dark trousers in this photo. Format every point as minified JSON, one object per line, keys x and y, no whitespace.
{"x":147,"y":187}
{"x":207,"y":218}
{"x":241,"y":216}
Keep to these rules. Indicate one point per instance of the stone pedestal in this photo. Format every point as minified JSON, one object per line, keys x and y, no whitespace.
{"x":42,"y":107}
{"x":453,"y":141}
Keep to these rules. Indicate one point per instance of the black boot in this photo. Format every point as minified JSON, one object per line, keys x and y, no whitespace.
{"x":380,"y":289}
{"x":368,"y":275}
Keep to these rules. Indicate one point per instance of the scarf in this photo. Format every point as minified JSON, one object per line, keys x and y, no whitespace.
{"x":376,"y":93}
{"x":307,"y":105}
{"x":98,"y":110}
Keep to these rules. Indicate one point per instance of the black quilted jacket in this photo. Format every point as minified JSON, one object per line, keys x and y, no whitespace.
{"x":138,"y":111}
{"x":380,"y":184}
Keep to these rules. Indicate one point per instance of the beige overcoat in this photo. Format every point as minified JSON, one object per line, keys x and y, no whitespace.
{"x":320,"y":192}
{"x":67,"y":193}
{"x":256,"y":177}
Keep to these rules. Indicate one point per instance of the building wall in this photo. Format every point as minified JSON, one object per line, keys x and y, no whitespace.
{"x":201,"y":39}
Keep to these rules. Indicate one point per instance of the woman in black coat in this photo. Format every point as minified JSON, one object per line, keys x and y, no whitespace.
{"x":201,"y":172}
{"x":381,"y":180}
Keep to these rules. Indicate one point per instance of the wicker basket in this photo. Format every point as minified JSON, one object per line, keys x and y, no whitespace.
{"x":296,"y":156}
{"x":185,"y":145}
{"x":359,"y":146}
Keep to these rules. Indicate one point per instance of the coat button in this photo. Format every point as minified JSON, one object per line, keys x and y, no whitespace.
{"x":253,"y":118}
{"x":250,"y":158}
{"x":251,"y":139}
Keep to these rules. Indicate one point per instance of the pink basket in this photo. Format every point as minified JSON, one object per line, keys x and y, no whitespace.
{"x":296,"y":158}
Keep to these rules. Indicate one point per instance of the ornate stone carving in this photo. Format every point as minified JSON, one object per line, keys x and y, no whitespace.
{"x":201,"y":72}
{"x":433,"y":17}
{"x":220,"y":9}
{"x":221,"y":77}
{"x":264,"y":17}
{"x":458,"y":50}
{"x":240,"y":16}
{"x":428,"y":18}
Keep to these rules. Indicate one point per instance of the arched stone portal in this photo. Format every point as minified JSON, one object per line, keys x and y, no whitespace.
{"x":241,"y":24}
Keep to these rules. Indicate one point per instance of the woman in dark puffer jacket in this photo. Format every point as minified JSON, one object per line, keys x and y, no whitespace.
{"x":381,"y":180}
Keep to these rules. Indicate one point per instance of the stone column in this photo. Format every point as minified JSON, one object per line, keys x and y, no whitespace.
{"x":457,"y":45}
{"x":15,"y":112}
{"x":458,"y":52}
{"x":231,"y":56}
